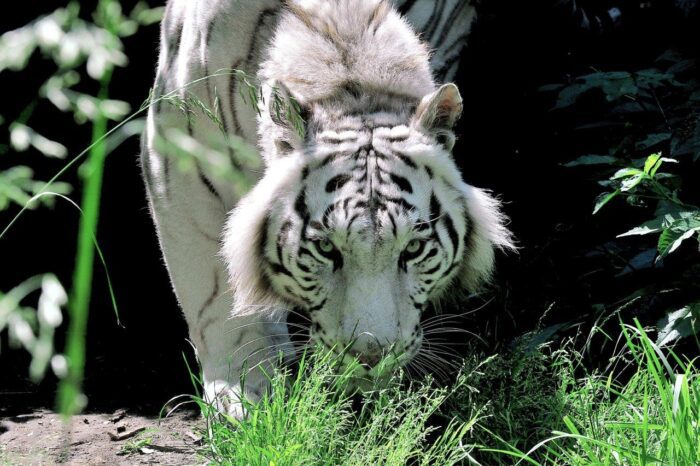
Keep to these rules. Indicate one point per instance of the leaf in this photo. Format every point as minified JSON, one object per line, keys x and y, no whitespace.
{"x":679,"y":324}
{"x":626,"y":172}
{"x":658,"y":165}
{"x":676,"y":232}
{"x":126,"y":131}
{"x":643,"y":260}
{"x":593,"y":160}
{"x":676,"y":244}
{"x":652,"y":79}
{"x":18,"y":187}
{"x":22,"y":137}
{"x":550,"y":87}
{"x":114,"y":110}
{"x":682,"y":65}
{"x":651,"y":162}
{"x":144,"y":15}
{"x":604,"y":199}
{"x":614,"y":85}
{"x":653,"y":140}
{"x":16,"y":47}
{"x":647,"y":228}
{"x":632,"y":182}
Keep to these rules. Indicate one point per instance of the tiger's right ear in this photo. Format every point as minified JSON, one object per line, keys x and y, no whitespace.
{"x":289,"y":117}
{"x":438,"y":112}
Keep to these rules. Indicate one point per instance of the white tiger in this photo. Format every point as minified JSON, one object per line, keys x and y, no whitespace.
{"x":360,"y":222}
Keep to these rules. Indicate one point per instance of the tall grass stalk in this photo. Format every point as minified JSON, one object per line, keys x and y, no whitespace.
{"x":70,"y":397}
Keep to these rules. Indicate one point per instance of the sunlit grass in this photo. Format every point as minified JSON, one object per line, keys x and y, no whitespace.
{"x":644,"y":410}
{"x":310,"y":419}
{"x":517,"y":408}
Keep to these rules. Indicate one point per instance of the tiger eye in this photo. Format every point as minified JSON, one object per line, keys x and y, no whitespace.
{"x":326,"y":246}
{"x":413,"y":247}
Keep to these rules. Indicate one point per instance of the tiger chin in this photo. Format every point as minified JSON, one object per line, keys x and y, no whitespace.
{"x":362,"y":218}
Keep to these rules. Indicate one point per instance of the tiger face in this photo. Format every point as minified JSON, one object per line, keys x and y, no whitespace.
{"x":364,"y":223}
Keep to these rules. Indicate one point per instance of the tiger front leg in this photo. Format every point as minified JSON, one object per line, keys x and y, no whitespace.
{"x":236,"y":354}
{"x":245,"y":353}
{"x":189,"y":221}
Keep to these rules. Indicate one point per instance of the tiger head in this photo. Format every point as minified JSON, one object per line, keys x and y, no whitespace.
{"x":362,"y":223}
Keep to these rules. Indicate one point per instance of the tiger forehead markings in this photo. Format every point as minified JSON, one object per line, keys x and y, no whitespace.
{"x":359,"y":206}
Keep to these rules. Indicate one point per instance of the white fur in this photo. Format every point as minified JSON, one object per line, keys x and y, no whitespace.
{"x":190,"y":220}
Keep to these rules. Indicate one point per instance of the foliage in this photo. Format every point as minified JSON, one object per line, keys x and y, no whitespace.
{"x":33,"y":328}
{"x":137,"y":445}
{"x":71,"y":42}
{"x":99,"y":47}
{"x":644,"y":408}
{"x":540,"y":407}
{"x":518,"y":396}
{"x":650,"y":122}
{"x":18,"y":186}
{"x":310,"y":420}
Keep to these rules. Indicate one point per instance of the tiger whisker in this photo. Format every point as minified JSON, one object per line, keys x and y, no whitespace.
{"x":255,"y":340}
{"x":289,"y":358}
{"x":441,"y":351}
{"x":462,"y":314}
{"x":454,"y":330}
{"x":434,"y":368}
{"x":263,"y":322}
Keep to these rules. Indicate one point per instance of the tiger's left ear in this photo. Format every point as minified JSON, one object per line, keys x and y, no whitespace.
{"x":438,"y":112}
{"x":288,"y":118}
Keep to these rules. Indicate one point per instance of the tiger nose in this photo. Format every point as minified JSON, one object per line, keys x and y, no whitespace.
{"x":367,"y":359}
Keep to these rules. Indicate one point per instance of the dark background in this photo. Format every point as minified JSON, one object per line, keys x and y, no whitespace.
{"x":510,"y":142}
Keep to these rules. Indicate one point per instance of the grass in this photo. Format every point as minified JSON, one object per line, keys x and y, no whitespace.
{"x":311,"y":420}
{"x":134,"y":446}
{"x":538,"y":407}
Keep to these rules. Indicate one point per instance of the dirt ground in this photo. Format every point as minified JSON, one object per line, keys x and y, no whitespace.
{"x":120,"y":438}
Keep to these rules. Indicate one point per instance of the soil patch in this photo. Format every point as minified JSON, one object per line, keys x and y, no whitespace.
{"x":120,"y":438}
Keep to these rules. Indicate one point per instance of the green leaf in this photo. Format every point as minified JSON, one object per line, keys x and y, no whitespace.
{"x":144,"y":15}
{"x":626,"y":172}
{"x":16,"y":47}
{"x":17,"y":186}
{"x":604,"y":199}
{"x":114,"y":110}
{"x":676,"y":232}
{"x":593,"y":160}
{"x":632,"y":182}
{"x":654,"y":162}
{"x":651,"y":162}
{"x":647,"y":228}
{"x":679,"y":324}
{"x":22,"y":137}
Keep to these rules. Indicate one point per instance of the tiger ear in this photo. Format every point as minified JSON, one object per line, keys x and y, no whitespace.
{"x":289,"y":116}
{"x":438,"y":112}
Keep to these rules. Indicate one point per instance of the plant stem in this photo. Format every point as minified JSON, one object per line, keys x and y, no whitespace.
{"x":70,"y":398}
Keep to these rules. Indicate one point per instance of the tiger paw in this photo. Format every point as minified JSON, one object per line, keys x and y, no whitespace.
{"x":226,"y":399}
